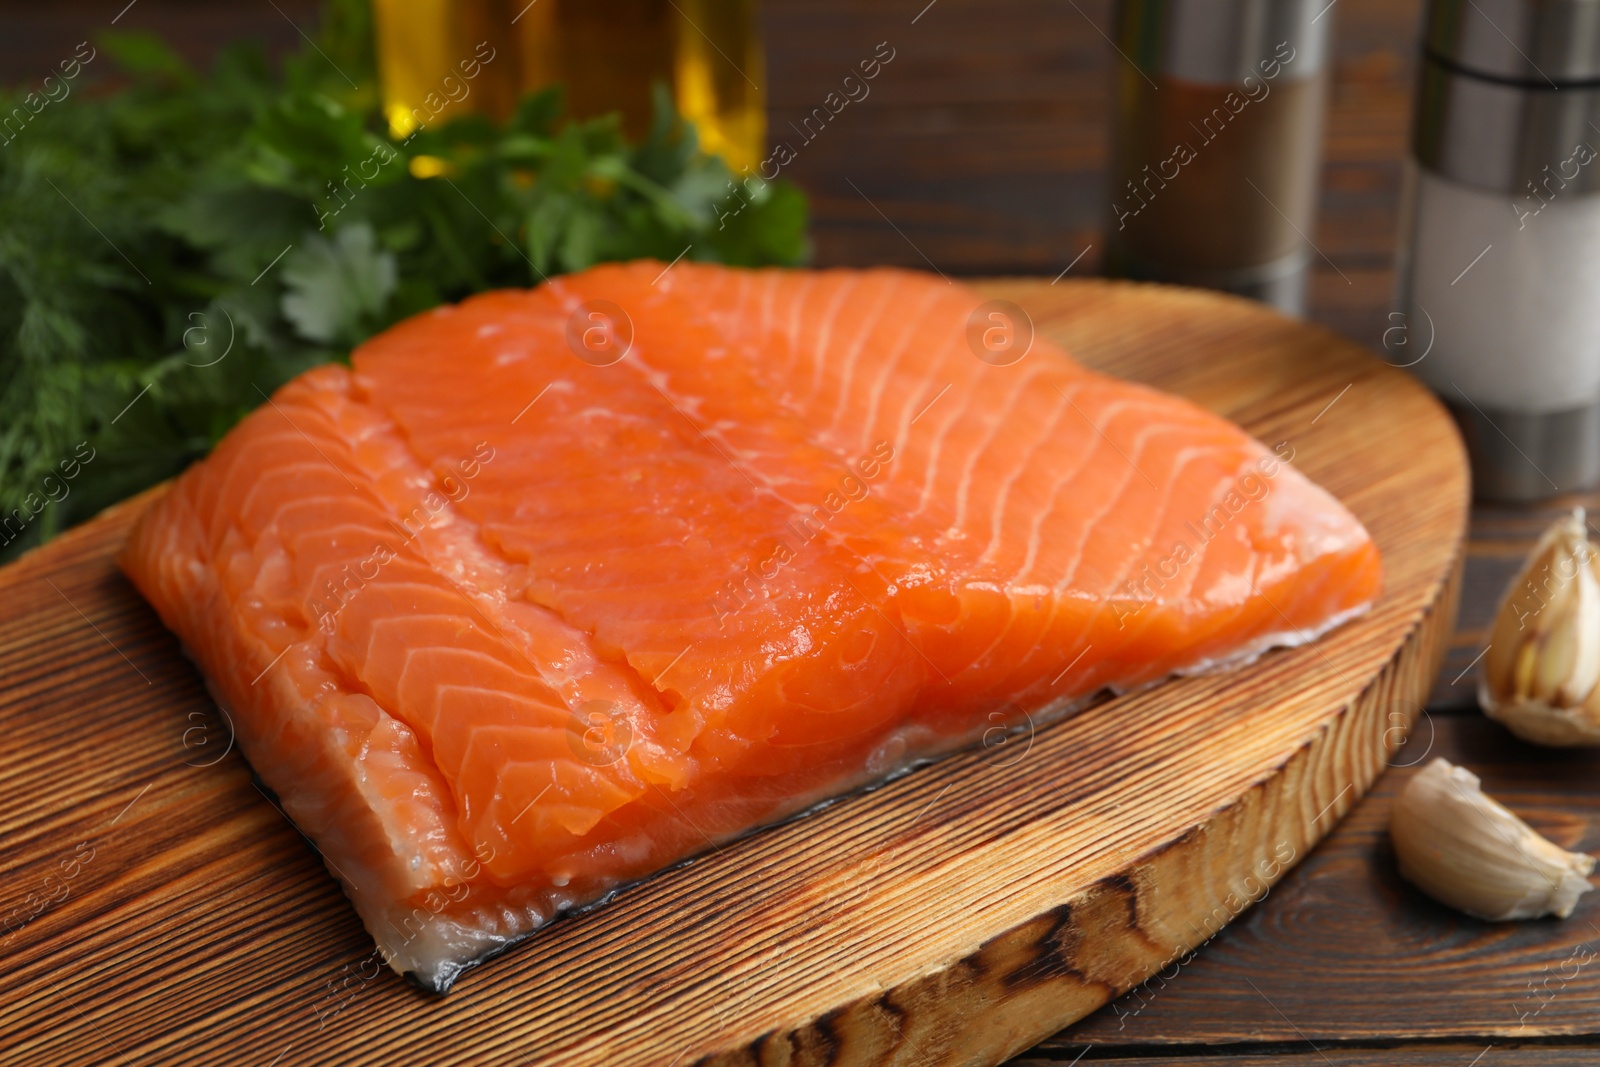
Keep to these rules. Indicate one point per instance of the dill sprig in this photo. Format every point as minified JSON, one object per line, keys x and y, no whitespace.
{"x":171,"y":250}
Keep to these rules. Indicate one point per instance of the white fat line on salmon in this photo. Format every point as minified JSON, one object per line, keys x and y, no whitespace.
{"x":97,"y":630}
{"x":276,"y":407}
{"x":714,"y":446}
{"x":1249,"y":488}
{"x":879,"y":449}
{"x":471,"y":598}
{"x":56,"y":489}
{"x":455,"y":490}
{"x":806,"y":526}
{"x":352,"y":585}
{"x":1104,"y":438}
{"x":472,"y":602}
{"x":1256,"y":886}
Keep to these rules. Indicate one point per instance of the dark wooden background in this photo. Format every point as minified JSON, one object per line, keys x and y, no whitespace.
{"x":983,"y":145}
{"x":984,"y":141}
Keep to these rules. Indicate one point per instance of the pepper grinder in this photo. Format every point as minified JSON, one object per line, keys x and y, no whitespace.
{"x":1499,"y":289}
{"x":1217,"y":144}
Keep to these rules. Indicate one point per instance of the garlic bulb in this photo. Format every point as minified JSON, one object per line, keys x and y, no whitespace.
{"x":1463,"y":849}
{"x":1543,"y":661}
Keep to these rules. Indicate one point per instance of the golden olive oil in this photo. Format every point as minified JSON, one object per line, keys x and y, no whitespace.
{"x":439,"y":58}
{"x":720,"y":77}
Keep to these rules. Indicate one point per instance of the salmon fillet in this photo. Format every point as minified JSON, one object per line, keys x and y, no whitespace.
{"x":551,"y":589}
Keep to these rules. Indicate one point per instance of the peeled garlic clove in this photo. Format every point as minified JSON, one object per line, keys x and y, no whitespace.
{"x":1463,"y":849}
{"x":1541,"y":673}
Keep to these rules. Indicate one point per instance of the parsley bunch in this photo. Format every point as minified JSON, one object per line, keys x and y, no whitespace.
{"x":175,"y":250}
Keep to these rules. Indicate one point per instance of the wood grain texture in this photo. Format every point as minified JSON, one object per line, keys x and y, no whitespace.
{"x":957,"y":915}
{"x":1443,"y":1055}
{"x":1347,"y":951}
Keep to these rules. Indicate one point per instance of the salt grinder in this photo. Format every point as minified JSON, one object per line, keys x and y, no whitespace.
{"x":1499,"y":280}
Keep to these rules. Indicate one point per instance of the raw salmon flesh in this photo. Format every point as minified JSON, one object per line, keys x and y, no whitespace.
{"x":554,"y":588}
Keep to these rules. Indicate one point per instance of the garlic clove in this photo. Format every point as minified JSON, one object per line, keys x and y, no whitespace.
{"x":1569,"y":666}
{"x":1542,"y":667}
{"x":1460,"y":847}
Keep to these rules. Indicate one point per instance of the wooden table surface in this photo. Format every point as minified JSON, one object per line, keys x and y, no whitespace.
{"x":981,"y":150}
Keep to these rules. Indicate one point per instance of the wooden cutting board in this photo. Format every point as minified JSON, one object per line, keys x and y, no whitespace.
{"x":156,"y":907}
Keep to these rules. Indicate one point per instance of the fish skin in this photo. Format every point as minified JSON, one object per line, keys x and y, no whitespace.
{"x":505,"y":629}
